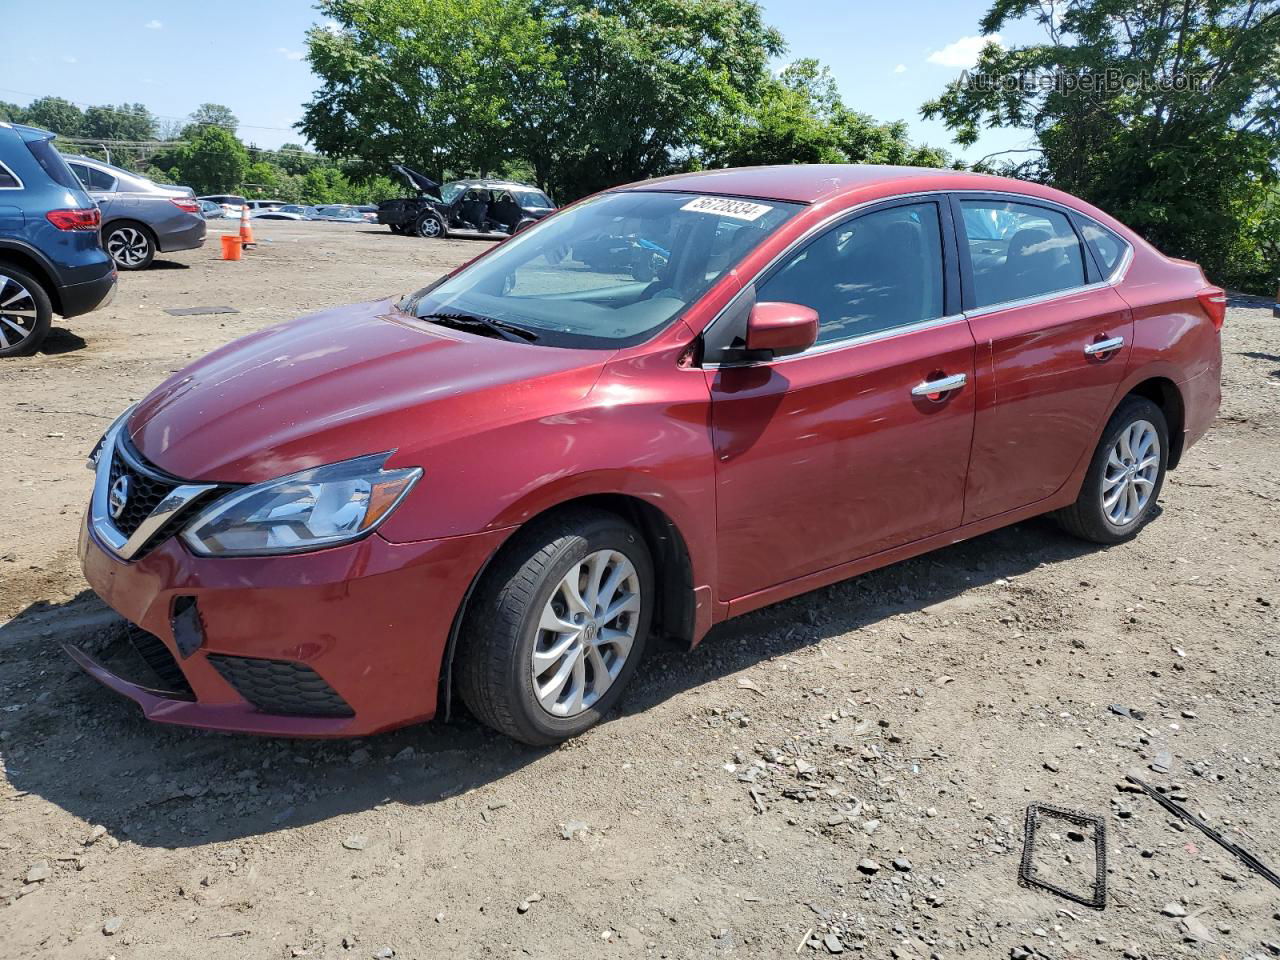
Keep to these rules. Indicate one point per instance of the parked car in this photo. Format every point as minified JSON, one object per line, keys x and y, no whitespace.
{"x":501,"y":485}
{"x":339,"y":213}
{"x":258,"y":205}
{"x":269,"y":214}
{"x":210,"y":210}
{"x":139,"y":216}
{"x":499,"y":207}
{"x":305,"y":212}
{"x":51,"y":256}
{"x":230,"y":203}
{"x":369,"y":212}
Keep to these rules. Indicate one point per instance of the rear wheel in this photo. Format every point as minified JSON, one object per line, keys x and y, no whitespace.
{"x":1118,"y":497}
{"x":25,"y":312}
{"x":430,"y":226}
{"x":557,"y":627}
{"x":130,"y":245}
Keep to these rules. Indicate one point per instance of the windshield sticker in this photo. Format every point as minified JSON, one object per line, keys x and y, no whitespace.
{"x":728,"y":207}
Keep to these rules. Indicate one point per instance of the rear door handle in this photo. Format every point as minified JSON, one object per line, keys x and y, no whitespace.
{"x":1103,"y":346}
{"x":932,"y":388}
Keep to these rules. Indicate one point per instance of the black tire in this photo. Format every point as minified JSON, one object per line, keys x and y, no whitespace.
{"x":430,"y":226}
{"x":494,"y":665}
{"x":1087,"y":518}
{"x":130,"y":244}
{"x":21,"y":335}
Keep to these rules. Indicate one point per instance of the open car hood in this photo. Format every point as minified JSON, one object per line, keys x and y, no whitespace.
{"x":417,"y":181}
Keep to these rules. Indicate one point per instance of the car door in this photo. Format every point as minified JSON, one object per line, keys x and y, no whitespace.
{"x":1054,"y":337}
{"x":841,"y":451}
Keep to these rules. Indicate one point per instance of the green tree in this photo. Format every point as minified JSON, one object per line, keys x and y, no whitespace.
{"x":54,"y":113}
{"x":801,"y":118}
{"x":295,"y":159}
{"x":1166,"y":115}
{"x":11,"y":112}
{"x":211,"y":161}
{"x":129,"y":121}
{"x":212,"y":115}
{"x":588,"y":93}
{"x":266,"y":180}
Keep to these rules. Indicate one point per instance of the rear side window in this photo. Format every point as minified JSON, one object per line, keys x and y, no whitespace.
{"x":52,"y":163}
{"x":7,"y":180}
{"x":879,"y":271}
{"x":1108,"y":248}
{"x":98,"y":180}
{"x":1019,"y":251}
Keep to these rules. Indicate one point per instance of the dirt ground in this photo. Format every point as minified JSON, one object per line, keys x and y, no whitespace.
{"x":845,"y":772}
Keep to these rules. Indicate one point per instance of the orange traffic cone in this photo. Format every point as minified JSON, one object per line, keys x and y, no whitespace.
{"x":246,"y":231}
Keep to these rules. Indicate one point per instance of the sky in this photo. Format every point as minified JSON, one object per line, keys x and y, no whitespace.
{"x":887,"y":58}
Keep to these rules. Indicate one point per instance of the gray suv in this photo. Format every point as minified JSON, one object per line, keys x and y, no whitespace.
{"x":139,"y":216}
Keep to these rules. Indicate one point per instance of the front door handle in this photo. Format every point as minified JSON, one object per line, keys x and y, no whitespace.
{"x":1103,"y":346}
{"x":935,"y":388}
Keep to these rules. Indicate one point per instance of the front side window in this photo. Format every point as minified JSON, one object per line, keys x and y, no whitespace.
{"x":609,"y":272}
{"x":1019,"y":251}
{"x":879,"y":271}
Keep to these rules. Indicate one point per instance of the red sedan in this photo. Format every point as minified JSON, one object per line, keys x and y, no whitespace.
{"x":667,"y":405}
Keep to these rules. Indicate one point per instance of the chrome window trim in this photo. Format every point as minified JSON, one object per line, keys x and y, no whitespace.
{"x":1122,"y":266}
{"x":1117,"y":275}
{"x":846,"y":343}
{"x":126,"y":548}
{"x":16,"y":179}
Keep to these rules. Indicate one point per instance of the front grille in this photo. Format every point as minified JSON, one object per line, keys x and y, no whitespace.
{"x":146,"y":489}
{"x":281,"y":686}
{"x":148,"y":486}
{"x":160,"y":662}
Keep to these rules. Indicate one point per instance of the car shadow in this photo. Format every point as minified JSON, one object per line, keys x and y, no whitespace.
{"x":70,"y":741}
{"x":168,"y":265}
{"x":61,"y":340}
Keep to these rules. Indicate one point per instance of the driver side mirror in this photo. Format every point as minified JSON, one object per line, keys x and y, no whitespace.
{"x":781,"y":329}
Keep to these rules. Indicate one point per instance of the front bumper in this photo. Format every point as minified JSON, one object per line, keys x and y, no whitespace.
{"x":370,"y":619}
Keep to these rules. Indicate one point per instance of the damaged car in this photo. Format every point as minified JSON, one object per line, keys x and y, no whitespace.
{"x":477,"y":207}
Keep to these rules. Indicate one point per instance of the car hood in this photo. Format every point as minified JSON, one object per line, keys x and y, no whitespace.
{"x":343,"y":383}
{"x":417,"y":181}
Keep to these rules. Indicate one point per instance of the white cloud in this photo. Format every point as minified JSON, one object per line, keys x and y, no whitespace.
{"x":963,"y":53}
{"x":291,"y":54}
{"x":900,"y":68}
{"x":154,"y":25}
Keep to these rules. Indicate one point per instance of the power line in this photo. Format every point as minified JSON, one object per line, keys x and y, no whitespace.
{"x":156,"y":116}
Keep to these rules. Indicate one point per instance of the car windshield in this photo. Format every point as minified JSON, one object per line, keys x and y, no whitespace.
{"x":450,"y":191}
{"x":609,"y":272}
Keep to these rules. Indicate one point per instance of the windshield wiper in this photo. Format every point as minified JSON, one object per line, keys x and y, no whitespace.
{"x":507,"y":331}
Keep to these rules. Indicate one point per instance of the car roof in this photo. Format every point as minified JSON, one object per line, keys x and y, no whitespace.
{"x":493,"y":184}
{"x":813,"y":182}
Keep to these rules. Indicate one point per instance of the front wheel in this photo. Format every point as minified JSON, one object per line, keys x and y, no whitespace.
{"x":430,"y":226}
{"x":557,"y":627}
{"x":130,"y":245}
{"x":25,"y":312}
{"x":1118,"y":497}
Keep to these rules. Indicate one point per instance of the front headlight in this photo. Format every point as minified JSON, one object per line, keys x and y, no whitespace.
{"x":304,"y":511}
{"x":96,"y":453}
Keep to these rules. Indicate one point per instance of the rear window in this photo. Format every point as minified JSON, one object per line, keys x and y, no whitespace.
{"x":53,"y":164}
{"x":1108,"y":248}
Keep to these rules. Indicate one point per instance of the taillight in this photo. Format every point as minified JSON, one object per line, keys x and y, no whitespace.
{"x":90,"y":218}
{"x":185,"y":204}
{"x":1214,"y":301}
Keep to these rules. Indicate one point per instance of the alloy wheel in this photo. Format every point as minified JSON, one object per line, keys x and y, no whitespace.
{"x":585,"y":633}
{"x":1130,"y":473}
{"x":128,"y":246}
{"x":17,"y":312}
{"x":429,"y":228}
